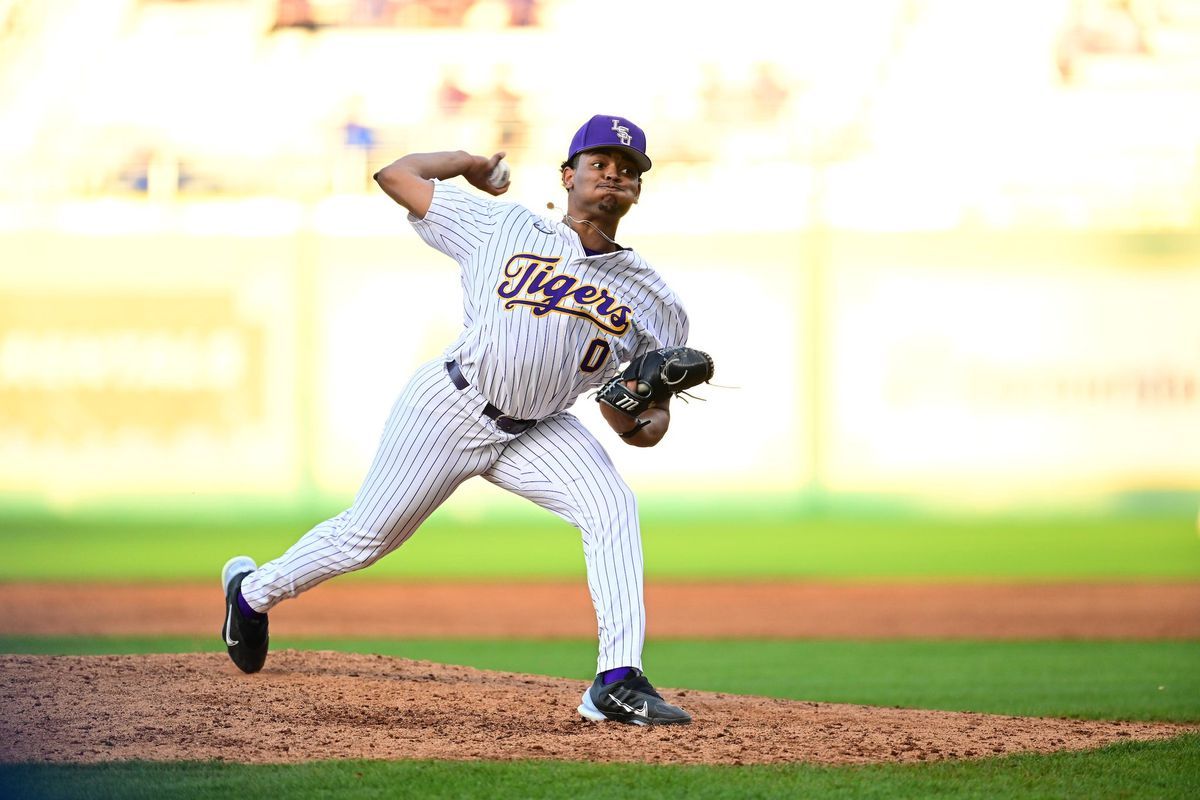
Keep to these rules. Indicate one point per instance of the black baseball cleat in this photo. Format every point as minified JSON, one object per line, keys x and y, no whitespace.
{"x":245,"y":639}
{"x":632,"y":701}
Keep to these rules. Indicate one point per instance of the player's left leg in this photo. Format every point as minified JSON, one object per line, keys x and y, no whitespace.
{"x":560,"y":465}
{"x":434,"y":439}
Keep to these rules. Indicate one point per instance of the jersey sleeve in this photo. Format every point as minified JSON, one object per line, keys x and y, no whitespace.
{"x":665,"y":326}
{"x":457,"y":222}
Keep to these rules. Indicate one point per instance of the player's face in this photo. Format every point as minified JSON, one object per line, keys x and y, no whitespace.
{"x":606,"y":180}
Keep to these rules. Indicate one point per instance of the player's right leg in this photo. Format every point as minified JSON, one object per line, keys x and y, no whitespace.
{"x":434,"y":439}
{"x":561,"y":466}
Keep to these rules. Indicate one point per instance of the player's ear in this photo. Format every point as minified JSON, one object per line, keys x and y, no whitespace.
{"x":568,"y":178}
{"x":637,"y":193}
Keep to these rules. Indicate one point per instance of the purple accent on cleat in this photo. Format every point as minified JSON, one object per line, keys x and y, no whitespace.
{"x":244,"y":607}
{"x":613,"y":675}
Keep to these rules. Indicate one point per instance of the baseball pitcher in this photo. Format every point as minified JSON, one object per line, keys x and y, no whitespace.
{"x":552,"y":309}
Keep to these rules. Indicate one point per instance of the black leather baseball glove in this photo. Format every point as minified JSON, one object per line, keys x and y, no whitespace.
{"x":659,"y":375}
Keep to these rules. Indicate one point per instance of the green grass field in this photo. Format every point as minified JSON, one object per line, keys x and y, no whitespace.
{"x":537,"y":546}
{"x":1169,"y":769}
{"x":1086,"y":679}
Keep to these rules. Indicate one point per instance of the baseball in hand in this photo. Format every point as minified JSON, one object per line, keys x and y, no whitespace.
{"x":499,"y":177}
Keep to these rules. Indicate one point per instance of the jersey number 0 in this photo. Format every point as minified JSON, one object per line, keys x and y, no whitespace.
{"x":595,"y":355}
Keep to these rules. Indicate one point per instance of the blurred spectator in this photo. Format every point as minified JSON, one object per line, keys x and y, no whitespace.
{"x":508,"y":114}
{"x":522,"y":13}
{"x":358,"y":145}
{"x":450,"y":96}
{"x":767,"y":94}
{"x":294,"y":14}
{"x":134,"y":174}
{"x":155,"y":172}
{"x":1099,"y":29}
{"x":372,"y":12}
{"x":446,"y":13}
{"x":411,"y":13}
{"x":358,"y":136}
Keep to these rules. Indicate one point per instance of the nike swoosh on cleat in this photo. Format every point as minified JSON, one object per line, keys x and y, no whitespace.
{"x":229,"y":619}
{"x":622,"y":705}
{"x":643,"y":712}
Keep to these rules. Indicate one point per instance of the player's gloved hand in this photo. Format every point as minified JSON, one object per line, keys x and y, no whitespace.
{"x":659,"y":374}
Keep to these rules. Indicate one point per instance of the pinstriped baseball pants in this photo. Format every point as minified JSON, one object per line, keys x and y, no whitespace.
{"x":436,"y":437}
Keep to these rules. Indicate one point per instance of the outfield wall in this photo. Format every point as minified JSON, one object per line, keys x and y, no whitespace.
{"x":252,"y":349}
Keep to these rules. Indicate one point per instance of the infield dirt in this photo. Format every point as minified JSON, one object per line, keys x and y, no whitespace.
{"x":319,"y":705}
{"x":367,"y":608}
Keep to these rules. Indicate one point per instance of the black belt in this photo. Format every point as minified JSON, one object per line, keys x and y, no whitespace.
{"x":503,"y":421}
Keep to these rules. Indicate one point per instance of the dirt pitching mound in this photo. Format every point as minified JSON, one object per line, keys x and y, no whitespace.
{"x":320,"y":705}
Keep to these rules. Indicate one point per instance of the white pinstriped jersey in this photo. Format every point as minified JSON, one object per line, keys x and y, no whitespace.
{"x":543,"y":321}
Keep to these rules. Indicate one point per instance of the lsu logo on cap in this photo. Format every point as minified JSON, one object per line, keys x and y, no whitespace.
{"x":622,"y":132}
{"x":605,"y":130}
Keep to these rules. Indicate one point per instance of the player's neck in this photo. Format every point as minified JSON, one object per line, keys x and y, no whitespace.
{"x":597,"y":235}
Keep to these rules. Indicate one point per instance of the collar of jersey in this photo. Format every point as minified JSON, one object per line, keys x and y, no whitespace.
{"x":587,"y":250}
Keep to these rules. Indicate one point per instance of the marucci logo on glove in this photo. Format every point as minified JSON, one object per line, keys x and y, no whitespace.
{"x":532,"y":282}
{"x":625,"y":403}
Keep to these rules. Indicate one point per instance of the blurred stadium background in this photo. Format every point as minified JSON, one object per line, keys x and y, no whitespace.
{"x":946,"y":253}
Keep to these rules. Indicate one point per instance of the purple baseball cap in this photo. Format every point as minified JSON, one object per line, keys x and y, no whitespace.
{"x":604,"y":130}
